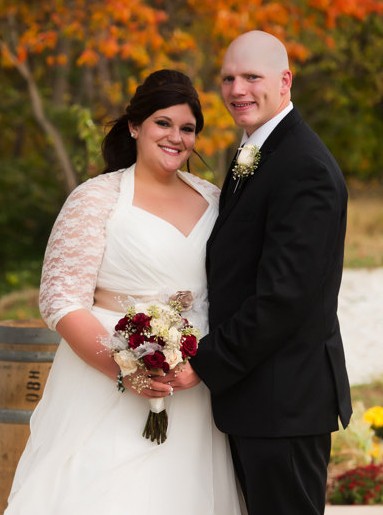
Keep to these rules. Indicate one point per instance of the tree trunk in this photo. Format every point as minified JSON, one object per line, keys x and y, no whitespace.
{"x":60,"y":82}
{"x":50,"y":130}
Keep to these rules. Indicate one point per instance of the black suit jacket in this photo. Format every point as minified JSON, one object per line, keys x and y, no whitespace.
{"x":274,"y":359}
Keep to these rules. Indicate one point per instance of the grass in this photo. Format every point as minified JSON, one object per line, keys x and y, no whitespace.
{"x":20,"y":305}
{"x":370,"y":394}
{"x":364,"y":237}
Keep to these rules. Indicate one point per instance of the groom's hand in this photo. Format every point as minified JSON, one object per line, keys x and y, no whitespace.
{"x":181,"y":378}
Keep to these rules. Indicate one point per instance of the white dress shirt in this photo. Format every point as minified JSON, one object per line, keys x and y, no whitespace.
{"x":259,"y":136}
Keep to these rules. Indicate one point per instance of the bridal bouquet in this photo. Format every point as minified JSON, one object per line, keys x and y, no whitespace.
{"x":152,"y":337}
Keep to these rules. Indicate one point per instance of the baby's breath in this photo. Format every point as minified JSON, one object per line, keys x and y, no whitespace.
{"x":247,"y":161}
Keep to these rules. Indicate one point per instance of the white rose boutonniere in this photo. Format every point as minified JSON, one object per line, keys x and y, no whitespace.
{"x":247,"y":161}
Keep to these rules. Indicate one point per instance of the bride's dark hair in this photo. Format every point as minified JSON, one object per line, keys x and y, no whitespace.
{"x":161,"y":89}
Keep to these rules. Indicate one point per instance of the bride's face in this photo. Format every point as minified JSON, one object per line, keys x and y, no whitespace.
{"x":166,"y":139}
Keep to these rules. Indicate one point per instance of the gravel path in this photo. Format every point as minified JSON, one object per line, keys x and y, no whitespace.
{"x":360,"y":314}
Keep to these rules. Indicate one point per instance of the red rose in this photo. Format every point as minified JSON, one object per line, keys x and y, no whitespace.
{"x":135,"y":340}
{"x":188,"y":346}
{"x":160,"y":341}
{"x":122,"y":324}
{"x":155,"y":360}
{"x":141,"y":321}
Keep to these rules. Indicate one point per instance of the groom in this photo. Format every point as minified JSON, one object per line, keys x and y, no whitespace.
{"x":274,"y":359}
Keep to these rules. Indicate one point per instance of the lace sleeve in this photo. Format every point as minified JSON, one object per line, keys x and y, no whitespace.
{"x":75,"y":248}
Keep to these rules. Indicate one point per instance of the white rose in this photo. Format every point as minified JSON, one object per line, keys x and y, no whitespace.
{"x":173,"y":357}
{"x":158,"y":326}
{"x":247,"y":155}
{"x":126,"y":362}
{"x":174,"y":337}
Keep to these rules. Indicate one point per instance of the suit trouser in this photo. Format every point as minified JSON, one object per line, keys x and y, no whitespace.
{"x":283,"y":476}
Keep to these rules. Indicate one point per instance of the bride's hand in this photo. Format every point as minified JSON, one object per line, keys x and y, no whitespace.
{"x":146,"y":385}
{"x":181,"y":378}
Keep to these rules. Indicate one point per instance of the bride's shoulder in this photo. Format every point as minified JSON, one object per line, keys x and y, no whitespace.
{"x":102,"y":185}
{"x":203,"y":185}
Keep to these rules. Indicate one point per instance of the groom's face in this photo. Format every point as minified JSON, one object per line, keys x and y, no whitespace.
{"x":253,"y":91}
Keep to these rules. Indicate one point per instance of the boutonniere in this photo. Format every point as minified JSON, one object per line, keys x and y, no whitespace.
{"x":247,"y":161}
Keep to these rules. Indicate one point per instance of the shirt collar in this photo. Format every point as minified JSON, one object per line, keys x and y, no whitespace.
{"x":260,"y":135}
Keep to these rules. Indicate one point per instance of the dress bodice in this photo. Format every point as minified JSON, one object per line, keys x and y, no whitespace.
{"x":145,"y":254}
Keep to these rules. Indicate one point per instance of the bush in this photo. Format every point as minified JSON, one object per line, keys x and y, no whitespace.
{"x":361,"y":485}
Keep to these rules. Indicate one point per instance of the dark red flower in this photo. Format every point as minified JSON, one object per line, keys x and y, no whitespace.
{"x":155,"y":360}
{"x":122,"y":324}
{"x":135,"y":340}
{"x":141,"y":321}
{"x":188,"y":346}
{"x":161,"y":342}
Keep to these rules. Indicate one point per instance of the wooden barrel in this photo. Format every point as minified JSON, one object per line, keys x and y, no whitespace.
{"x":27,"y":349}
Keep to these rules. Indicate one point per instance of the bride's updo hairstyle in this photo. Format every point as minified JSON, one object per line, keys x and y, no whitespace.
{"x":161,"y":89}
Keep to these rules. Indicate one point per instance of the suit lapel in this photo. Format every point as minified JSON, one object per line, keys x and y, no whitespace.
{"x":226,"y":185}
{"x":230,"y":199}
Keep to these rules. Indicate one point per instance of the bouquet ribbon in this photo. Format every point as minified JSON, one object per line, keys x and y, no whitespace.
{"x":157,"y":422}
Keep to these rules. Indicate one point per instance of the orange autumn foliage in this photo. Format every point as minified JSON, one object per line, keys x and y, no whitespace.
{"x":219,"y":131}
{"x":100,"y":27}
{"x":132,"y":29}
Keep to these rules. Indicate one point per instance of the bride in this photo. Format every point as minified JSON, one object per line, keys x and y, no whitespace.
{"x":138,"y":230}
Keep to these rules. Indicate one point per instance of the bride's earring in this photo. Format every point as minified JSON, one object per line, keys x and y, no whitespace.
{"x":133,"y":134}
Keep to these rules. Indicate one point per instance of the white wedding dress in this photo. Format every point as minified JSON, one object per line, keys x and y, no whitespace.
{"x":86,"y":454}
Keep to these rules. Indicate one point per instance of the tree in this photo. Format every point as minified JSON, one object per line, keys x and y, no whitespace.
{"x":90,"y":35}
{"x":341,"y":93}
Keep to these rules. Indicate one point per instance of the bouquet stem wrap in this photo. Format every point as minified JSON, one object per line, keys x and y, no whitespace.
{"x":157,"y":422}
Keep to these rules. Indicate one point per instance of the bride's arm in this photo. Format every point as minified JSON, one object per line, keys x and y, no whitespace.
{"x":75,"y":249}
{"x":71,"y":263}
{"x":72,"y":260}
{"x":82,"y":331}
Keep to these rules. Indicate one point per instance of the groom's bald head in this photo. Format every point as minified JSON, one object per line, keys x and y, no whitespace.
{"x":259,"y":46}
{"x":256,"y":79}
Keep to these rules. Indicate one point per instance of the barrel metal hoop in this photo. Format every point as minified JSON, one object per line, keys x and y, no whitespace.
{"x":13,"y":416}
{"x":34,"y":357}
{"x":41,"y":335}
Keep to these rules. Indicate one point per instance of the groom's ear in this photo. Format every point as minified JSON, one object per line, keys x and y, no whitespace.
{"x":286,"y":81}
